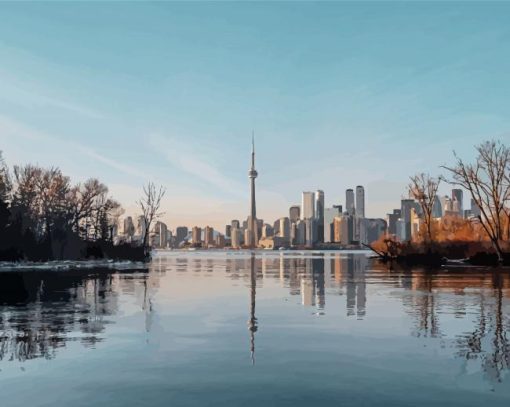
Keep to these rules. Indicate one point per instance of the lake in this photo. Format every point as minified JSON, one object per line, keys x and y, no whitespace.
{"x":211,"y":328}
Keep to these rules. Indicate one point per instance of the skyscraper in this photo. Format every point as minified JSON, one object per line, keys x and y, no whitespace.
{"x":319,"y":214}
{"x":181,"y":233}
{"x":196,"y":235}
{"x":252,"y":174}
{"x":457,"y":196}
{"x":208,"y":236}
{"x":294,"y":213}
{"x":360,"y":201}
{"x":349,"y":202}
{"x":329,"y":217}
{"x":307,"y":205}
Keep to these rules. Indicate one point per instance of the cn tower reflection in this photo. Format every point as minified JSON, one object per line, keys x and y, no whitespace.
{"x":252,"y":322}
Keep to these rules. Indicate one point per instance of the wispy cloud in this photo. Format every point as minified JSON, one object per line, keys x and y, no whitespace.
{"x":14,"y":130}
{"x":31,"y":96}
{"x":194,"y":160}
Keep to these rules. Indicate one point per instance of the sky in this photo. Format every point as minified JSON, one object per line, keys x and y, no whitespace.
{"x":338,"y":95}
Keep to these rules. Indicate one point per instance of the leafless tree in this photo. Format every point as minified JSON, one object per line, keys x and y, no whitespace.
{"x":5,"y":180}
{"x":423,"y":188}
{"x":487,"y":181}
{"x":84,"y":200}
{"x":150,"y":205}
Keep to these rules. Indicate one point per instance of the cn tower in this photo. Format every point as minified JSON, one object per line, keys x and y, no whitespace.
{"x":252,"y":174}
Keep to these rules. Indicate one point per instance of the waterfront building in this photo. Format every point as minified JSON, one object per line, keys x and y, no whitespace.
{"x":360,"y":201}
{"x":196,"y":235}
{"x":284,"y":229}
{"x":349,"y":202}
{"x":294,"y":213}
{"x":300,"y":234}
{"x":343,"y":228}
{"x":181,"y":233}
{"x":310,"y":231}
{"x":401,"y":230}
{"x":128,"y":227}
{"x":319,"y":214}
{"x":208,"y":236}
{"x":140,"y":228}
{"x":391,"y":220}
{"x":235,"y":238}
{"x":267,"y":230}
{"x":375,"y":228}
{"x":328,"y":227}
{"x":406,"y":206}
{"x":415,"y":224}
{"x":234,"y":224}
{"x":307,"y":205}
{"x":228,"y":228}
{"x":220,"y":241}
{"x":159,"y":235}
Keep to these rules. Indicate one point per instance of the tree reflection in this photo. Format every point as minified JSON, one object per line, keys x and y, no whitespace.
{"x":488,"y":342}
{"x":42,"y":311}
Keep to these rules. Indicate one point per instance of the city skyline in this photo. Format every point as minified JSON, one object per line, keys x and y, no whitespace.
{"x":333,"y":105}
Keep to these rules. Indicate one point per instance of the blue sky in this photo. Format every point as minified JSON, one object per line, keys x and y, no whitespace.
{"x":338,"y":94}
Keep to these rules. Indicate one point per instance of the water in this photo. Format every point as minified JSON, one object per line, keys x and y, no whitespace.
{"x":228,"y":329}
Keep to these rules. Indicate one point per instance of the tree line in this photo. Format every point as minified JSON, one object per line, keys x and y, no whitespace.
{"x":487,"y":181}
{"x":44,"y":216}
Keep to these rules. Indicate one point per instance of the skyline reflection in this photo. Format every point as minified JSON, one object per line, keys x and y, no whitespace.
{"x":463,"y":311}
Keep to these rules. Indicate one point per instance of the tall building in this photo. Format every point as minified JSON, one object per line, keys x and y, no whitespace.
{"x":159,"y":235}
{"x":284,"y":229}
{"x":319,"y":214}
{"x":252,"y":174}
{"x":219,"y":241}
{"x":349,"y":202}
{"x":267,"y":230}
{"x":375,"y":229}
{"x":129,"y":227}
{"x":300,"y":233}
{"x":307,"y":205}
{"x":475,"y":209}
{"x":235,"y":224}
{"x":343,"y":228}
{"x":196,"y":235}
{"x":360,"y":201}
{"x":391,"y":220}
{"x":181,"y":233}
{"x":235,"y":238}
{"x":310,"y":231}
{"x":437,"y":211}
{"x":458,"y":201}
{"x":406,"y":206}
{"x":208,"y":236}
{"x":228,"y":228}
{"x":294,"y":212}
{"x":328,"y":226}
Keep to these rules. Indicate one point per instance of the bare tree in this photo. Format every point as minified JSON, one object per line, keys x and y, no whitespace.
{"x":150,"y":205}
{"x":5,"y":180}
{"x":423,"y":188}
{"x":487,"y":181}
{"x":84,"y":199}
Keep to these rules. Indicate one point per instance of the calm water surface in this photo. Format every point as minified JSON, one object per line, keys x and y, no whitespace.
{"x":230,"y":329}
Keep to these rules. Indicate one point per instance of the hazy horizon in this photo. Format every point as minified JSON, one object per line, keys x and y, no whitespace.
{"x":338,"y":94}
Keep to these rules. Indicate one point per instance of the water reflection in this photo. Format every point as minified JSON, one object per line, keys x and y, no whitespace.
{"x":465,"y":310}
{"x":41,"y":311}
